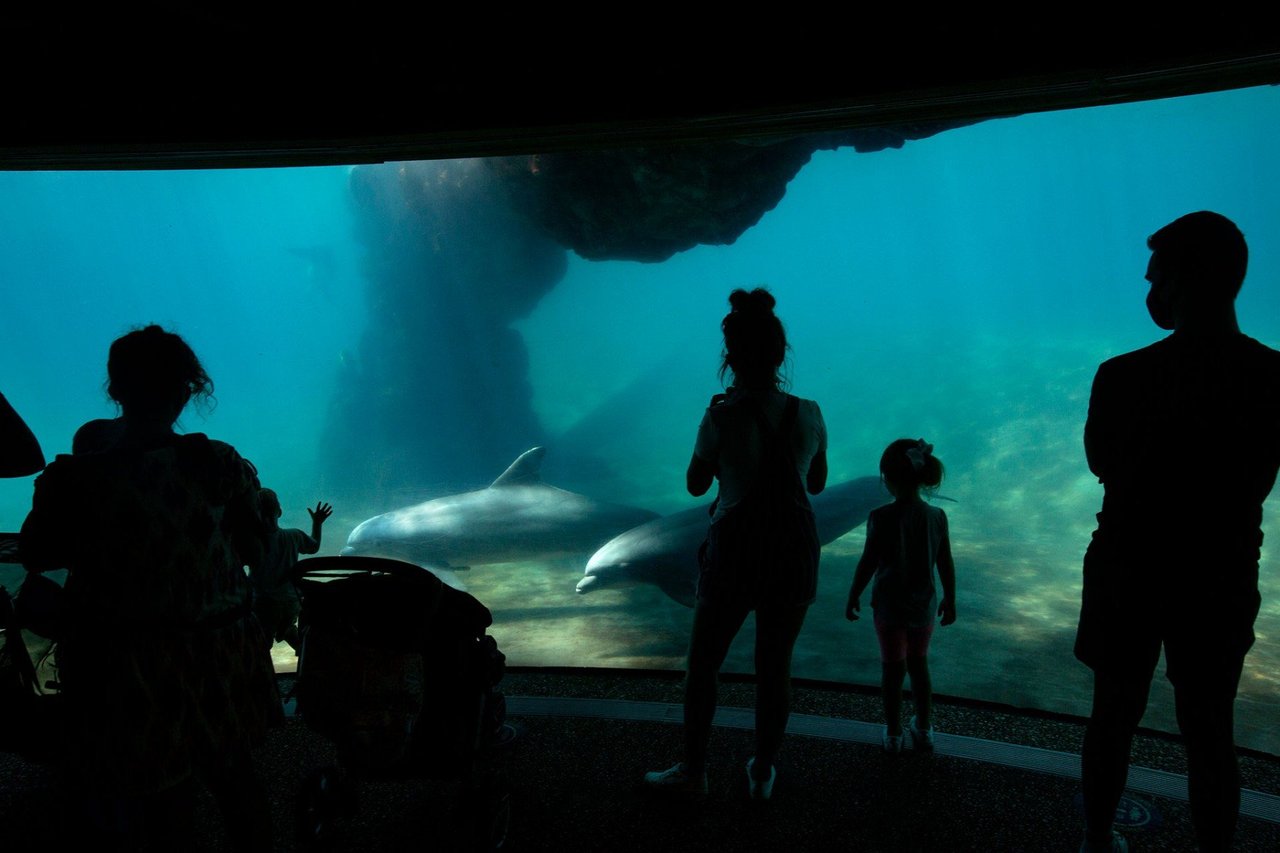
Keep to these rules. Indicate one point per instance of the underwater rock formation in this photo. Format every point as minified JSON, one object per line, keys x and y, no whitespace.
{"x":647,"y":204}
{"x":438,"y":393}
{"x":456,"y":250}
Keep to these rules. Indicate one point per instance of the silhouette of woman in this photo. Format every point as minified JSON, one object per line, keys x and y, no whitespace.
{"x":765,"y":448}
{"x":165,"y":673}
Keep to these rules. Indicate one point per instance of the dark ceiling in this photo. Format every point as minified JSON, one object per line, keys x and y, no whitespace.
{"x":199,"y":88}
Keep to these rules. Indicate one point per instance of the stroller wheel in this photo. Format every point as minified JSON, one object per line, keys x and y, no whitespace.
{"x":324,"y":795}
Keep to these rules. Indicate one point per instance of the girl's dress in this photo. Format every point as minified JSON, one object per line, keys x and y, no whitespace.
{"x":904,"y":539}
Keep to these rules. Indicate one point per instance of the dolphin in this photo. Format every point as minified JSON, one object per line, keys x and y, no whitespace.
{"x":518,"y":517}
{"x":664,"y":552}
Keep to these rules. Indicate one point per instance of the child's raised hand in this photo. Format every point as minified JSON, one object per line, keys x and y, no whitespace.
{"x":852,"y":609}
{"x":947,"y":610}
{"x":321,"y":513}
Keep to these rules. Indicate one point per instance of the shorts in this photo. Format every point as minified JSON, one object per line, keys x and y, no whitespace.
{"x":899,"y":642}
{"x":1126,"y":618}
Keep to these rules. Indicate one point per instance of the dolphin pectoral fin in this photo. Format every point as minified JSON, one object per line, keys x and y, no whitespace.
{"x":447,"y":577}
{"x":442,"y":571}
{"x":681,"y":593}
{"x":525,"y":471}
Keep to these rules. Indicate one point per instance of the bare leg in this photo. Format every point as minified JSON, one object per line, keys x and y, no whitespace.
{"x":921,"y":690}
{"x":776,"y":632}
{"x":892,"y":674}
{"x":1118,"y":706}
{"x":714,"y":628}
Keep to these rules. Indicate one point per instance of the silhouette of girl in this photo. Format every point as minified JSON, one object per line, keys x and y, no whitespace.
{"x":905,"y":541}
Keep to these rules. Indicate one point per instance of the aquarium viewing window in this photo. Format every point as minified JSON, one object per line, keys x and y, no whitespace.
{"x":380,"y":335}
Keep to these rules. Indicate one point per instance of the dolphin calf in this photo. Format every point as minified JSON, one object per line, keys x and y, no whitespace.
{"x":518,"y":517}
{"x":664,"y":552}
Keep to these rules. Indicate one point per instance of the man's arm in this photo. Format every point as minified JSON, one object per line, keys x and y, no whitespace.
{"x":1098,"y":438}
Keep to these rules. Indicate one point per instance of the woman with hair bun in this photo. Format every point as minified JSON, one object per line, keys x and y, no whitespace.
{"x":905,"y":541}
{"x":765,"y":448}
{"x":164,"y":670}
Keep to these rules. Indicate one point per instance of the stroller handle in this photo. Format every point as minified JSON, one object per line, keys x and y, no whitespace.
{"x":328,"y":568}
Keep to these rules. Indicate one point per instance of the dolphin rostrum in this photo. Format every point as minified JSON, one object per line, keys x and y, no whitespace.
{"x":518,"y":517}
{"x":664,"y":552}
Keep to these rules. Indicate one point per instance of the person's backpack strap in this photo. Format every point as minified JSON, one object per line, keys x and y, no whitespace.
{"x":789,"y":414}
{"x":775,"y":441}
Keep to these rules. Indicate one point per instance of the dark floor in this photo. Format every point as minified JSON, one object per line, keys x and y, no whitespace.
{"x":574,"y":785}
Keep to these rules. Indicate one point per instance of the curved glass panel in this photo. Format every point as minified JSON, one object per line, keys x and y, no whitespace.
{"x":378,"y":338}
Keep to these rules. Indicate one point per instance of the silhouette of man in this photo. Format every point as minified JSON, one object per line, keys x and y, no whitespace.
{"x":1185,"y":437}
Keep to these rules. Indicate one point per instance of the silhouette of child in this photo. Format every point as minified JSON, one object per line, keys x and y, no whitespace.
{"x":275,"y":599}
{"x":905,"y":541}
{"x":97,"y":435}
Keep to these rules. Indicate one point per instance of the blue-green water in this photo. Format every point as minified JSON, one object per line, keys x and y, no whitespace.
{"x":963,"y":288}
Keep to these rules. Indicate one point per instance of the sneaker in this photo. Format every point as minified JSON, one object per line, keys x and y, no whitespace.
{"x":1118,"y":845}
{"x":503,"y":736}
{"x":757,"y":789}
{"x":921,"y":739}
{"x":892,"y":743}
{"x":676,"y":779}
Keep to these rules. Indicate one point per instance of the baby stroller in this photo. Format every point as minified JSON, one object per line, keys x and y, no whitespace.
{"x":396,"y":670}
{"x":29,"y":695}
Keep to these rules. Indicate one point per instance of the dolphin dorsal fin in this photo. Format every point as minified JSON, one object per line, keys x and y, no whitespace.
{"x":525,"y":471}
